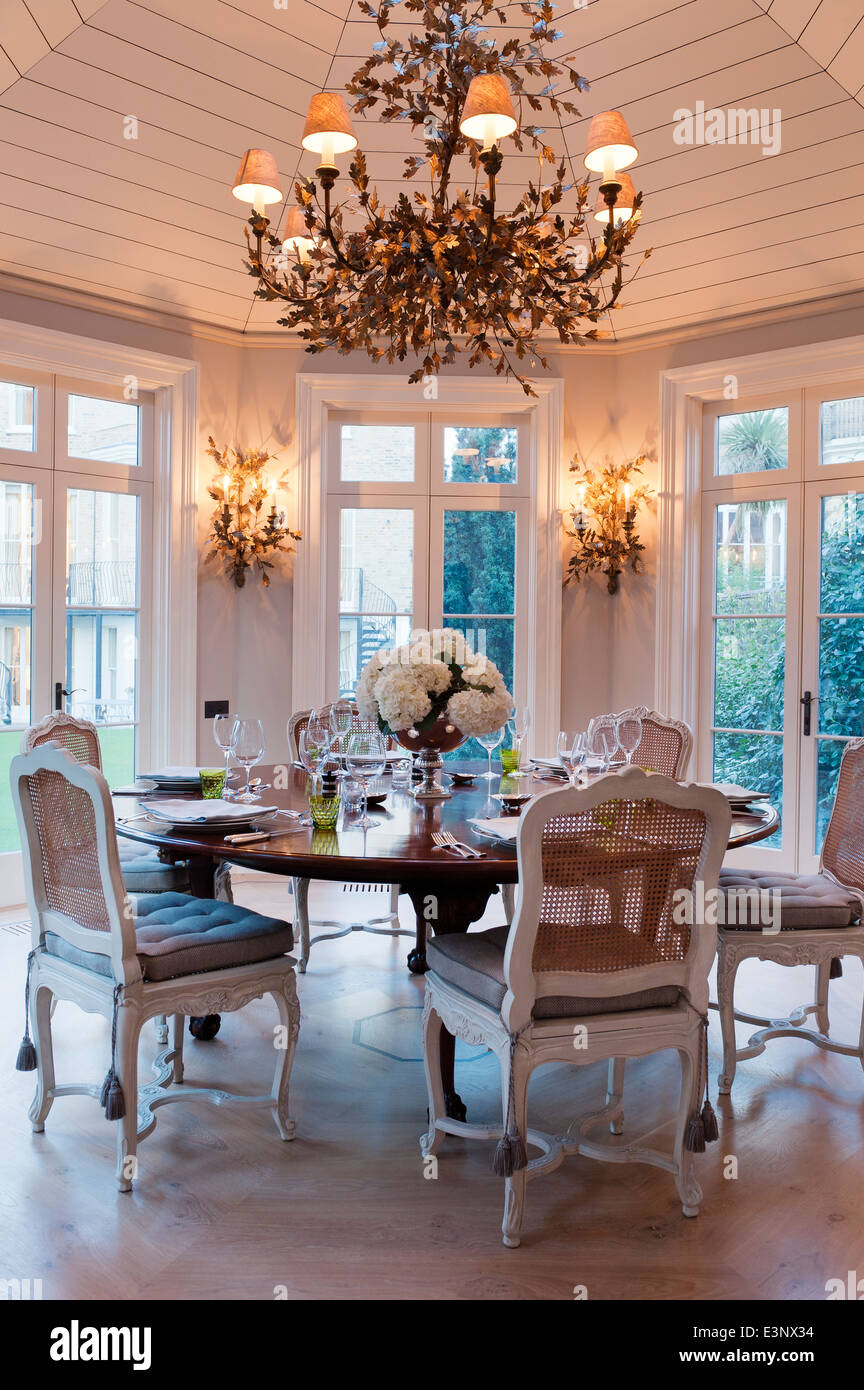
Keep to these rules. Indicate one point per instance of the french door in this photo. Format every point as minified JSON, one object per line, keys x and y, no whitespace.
{"x":428,"y":520}
{"x":76,"y":483}
{"x":782,"y":669}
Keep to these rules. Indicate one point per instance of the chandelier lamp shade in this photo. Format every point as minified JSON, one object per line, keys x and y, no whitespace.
{"x":257,"y":180}
{"x":328,"y":130}
{"x":445,"y":269}
{"x":621,"y":209}
{"x":488,"y":114}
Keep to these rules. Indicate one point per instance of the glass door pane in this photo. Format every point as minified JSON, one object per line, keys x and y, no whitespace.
{"x":376,"y":548}
{"x":839,"y":709}
{"x":749,"y":646}
{"x":102,"y":609}
{"x":18,"y":535}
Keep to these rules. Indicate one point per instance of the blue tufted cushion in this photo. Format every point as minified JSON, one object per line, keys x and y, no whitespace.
{"x":144,"y":872}
{"x":181,"y":935}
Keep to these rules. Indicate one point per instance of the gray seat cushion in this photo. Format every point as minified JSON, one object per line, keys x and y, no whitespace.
{"x":474,"y":963}
{"x":144,"y":872}
{"x":807,"y":901}
{"x":181,"y":935}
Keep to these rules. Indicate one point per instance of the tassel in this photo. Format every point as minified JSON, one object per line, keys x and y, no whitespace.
{"x":702,"y":1126}
{"x":510,"y":1155}
{"x":836,"y":968}
{"x":695,"y":1140}
{"x":114,"y":1103}
{"x":26,"y":1059}
{"x":111,"y":1096}
{"x":709,"y":1122}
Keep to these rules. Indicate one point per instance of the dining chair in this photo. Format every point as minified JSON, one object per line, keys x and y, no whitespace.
{"x":665,"y":745}
{"x":815,"y":919}
{"x":378,"y":926}
{"x":144,"y":870}
{"x":170,"y":954}
{"x":574,"y":981}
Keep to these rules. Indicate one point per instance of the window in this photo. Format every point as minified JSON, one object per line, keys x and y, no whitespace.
{"x":783,"y":593}
{"x":75,"y":546}
{"x":429,"y":519}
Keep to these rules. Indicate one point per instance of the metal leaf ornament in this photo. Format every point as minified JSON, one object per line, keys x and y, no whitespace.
{"x":446,"y":269}
{"x":243,"y":534}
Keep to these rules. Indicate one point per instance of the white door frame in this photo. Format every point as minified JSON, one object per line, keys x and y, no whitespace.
{"x":316,"y":395}
{"x":683,"y":391}
{"x":171,"y":691}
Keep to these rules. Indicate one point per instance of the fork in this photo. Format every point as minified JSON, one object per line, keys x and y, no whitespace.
{"x":441,"y":842}
{"x":468,"y":851}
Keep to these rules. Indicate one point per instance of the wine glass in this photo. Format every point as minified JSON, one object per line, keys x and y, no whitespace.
{"x":365,"y":759}
{"x":341,"y":724}
{"x":313,"y":753}
{"x":490,"y":742}
{"x":629,"y":735}
{"x":223,"y":726}
{"x":571,"y":754}
{"x":602,"y":740}
{"x":247,"y":745}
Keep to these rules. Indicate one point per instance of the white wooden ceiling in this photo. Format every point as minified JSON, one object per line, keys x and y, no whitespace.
{"x":151,"y":222}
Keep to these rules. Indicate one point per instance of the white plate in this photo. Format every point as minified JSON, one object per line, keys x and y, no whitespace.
{"x":209,"y":815}
{"x":217,"y":827}
{"x":734,"y":792}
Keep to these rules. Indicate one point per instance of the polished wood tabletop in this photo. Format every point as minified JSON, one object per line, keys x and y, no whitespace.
{"x":402,"y":834}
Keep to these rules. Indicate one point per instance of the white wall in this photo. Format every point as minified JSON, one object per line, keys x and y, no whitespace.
{"x":247,"y":399}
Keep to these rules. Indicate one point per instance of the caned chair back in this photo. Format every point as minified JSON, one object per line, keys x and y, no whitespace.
{"x":298,"y":722}
{"x":78,"y":736}
{"x":71,"y":865}
{"x":843,"y":851}
{"x":665,"y":745}
{"x":601,"y":911}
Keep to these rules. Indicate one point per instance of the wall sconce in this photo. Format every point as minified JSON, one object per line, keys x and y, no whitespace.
{"x":243,"y":533}
{"x":602,"y":521}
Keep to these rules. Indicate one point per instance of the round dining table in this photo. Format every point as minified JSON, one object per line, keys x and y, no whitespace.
{"x":448,"y":892}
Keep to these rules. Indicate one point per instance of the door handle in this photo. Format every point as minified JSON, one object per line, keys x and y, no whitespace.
{"x":807,"y":700}
{"x":59,"y":694}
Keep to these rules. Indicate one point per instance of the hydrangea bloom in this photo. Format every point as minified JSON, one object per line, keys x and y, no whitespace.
{"x":415,"y":682}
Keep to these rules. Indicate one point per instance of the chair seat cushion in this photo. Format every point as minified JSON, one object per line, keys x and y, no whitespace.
{"x":144,"y":872}
{"x":474,"y":963}
{"x":182,"y":935}
{"x":807,"y":901}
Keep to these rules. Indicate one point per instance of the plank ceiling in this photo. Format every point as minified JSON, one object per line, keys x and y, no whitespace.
{"x":151,"y":222}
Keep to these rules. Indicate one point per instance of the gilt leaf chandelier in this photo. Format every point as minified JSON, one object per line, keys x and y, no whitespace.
{"x":446,"y":269}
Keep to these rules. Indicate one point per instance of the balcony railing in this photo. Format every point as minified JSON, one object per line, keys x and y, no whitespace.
{"x":101,"y":584}
{"x":359,"y":595}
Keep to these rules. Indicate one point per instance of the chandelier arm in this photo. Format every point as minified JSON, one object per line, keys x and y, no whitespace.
{"x":341,"y":258}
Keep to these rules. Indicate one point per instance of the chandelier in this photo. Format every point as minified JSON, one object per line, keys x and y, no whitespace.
{"x":446,"y":269}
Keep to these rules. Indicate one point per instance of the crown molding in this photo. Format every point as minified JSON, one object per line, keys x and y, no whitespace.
{"x":278,"y":339}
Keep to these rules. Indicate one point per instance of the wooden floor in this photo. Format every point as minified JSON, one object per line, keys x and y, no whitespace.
{"x":224,"y":1209}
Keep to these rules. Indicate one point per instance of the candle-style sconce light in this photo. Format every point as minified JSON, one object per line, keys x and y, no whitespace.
{"x":246,"y":533}
{"x":601,"y":521}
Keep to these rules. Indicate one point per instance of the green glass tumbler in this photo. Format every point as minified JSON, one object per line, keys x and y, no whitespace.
{"x":324,"y":811}
{"x":212,"y":782}
{"x":509,"y":761}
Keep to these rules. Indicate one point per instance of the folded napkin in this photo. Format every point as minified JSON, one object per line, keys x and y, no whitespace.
{"x":506,"y":827}
{"x":199,"y":812}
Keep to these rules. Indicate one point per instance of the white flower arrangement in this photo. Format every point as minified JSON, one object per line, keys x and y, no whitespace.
{"x":435,"y":673}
